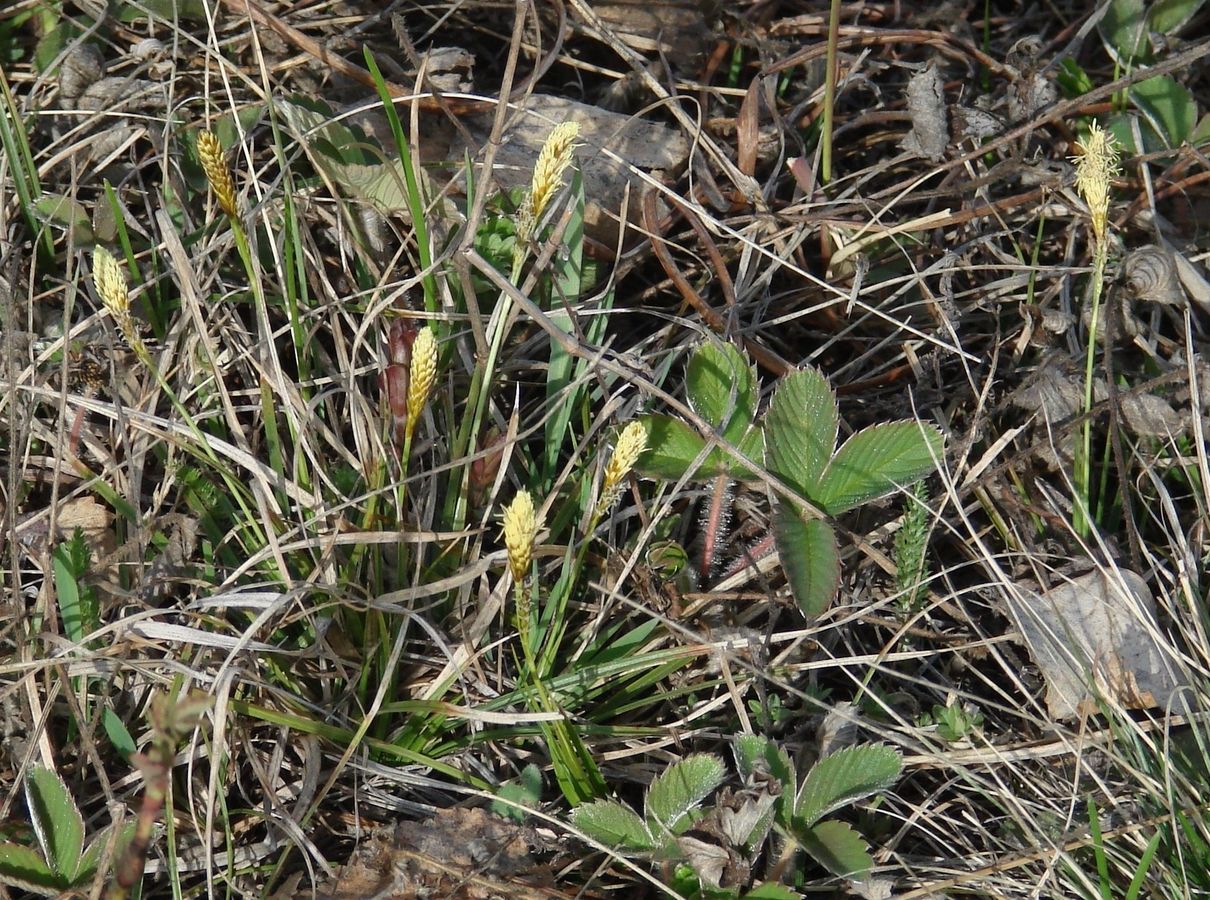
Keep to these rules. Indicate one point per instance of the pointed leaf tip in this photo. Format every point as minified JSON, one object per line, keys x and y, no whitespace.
{"x":877,"y":461}
{"x":722,"y":388}
{"x":613,"y":824}
{"x":800,"y":430}
{"x":845,"y":777}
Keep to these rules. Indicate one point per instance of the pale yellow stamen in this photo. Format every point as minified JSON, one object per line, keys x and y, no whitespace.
{"x":110,"y":281}
{"x":1095,"y":169}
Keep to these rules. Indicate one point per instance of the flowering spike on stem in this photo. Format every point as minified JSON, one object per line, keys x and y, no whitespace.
{"x":110,"y":282}
{"x":422,"y":376}
{"x":214,"y":164}
{"x":630,"y":446}
{"x":520,"y":531}
{"x":553,"y":160}
{"x":1095,"y":169}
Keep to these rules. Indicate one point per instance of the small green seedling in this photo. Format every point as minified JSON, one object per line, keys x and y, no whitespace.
{"x":799,"y":448}
{"x":720,"y":843}
{"x":837,"y":780}
{"x":62,"y":862}
{"x":519,"y":794}
{"x":954,"y":722}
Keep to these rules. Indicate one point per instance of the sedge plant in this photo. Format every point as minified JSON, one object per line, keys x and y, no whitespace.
{"x":575,"y":770}
{"x":1095,"y":169}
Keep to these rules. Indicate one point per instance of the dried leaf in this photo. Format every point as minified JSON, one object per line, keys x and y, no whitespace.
{"x":929,"y":136}
{"x":675,"y":29}
{"x":708,"y":860}
{"x":838,"y":728}
{"x":1150,"y":416}
{"x":1150,"y":275}
{"x":459,"y":853}
{"x":747,"y":126}
{"x":1096,"y":636}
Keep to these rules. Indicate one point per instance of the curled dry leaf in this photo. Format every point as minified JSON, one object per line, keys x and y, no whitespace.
{"x":1056,"y":393}
{"x":83,"y":66}
{"x":929,"y":136}
{"x":1150,"y":275}
{"x":1096,"y":637}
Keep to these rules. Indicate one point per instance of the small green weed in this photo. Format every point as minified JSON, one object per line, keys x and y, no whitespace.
{"x":714,"y":848}
{"x":797,"y":443}
{"x":954,"y":721}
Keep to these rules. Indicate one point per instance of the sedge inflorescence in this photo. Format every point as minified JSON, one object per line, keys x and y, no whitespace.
{"x":630,"y":446}
{"x":1095,"y":169}
{"x":520,"y":532}
{"x":421,"y":377}
{"x":552,"y":164}
{"x":110,"y":282}
{"x":214,"y":164}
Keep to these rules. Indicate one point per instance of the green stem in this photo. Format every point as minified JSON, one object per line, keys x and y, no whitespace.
{"x":1082,"y":512}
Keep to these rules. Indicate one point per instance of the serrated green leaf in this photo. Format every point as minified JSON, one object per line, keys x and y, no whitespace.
{"x":672,"y":446}
{"x":613,"y":824}
{"x":838,"y":848}
{"x":1201,"y":134}
{"x":809,"y":557}
{"x":845,"y":777}
{"x":876,"y":461}
{"x":752,"y":446}
{"x":679,"y":788}
{"x":1168,"y":106}
{"x":22,"y":867}
{"x":56,"y":820}
{"x":1169,"y":16}
{"x":800,"y":430}
{"x":1124,"y":29}
{"x":722,"y":388}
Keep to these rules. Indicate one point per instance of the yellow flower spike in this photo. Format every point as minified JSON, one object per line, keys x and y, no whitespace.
{"x":214,"y":163}
{"x":630,"y":446}
{"x":553,"y":160}
{"x":520,"y":531}
{"x":1095,"y":169}
{"x":422,"y":374}
{"x":110,"y":282}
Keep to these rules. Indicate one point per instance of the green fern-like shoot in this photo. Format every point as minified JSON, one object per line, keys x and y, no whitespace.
{"x":910,"y":543}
